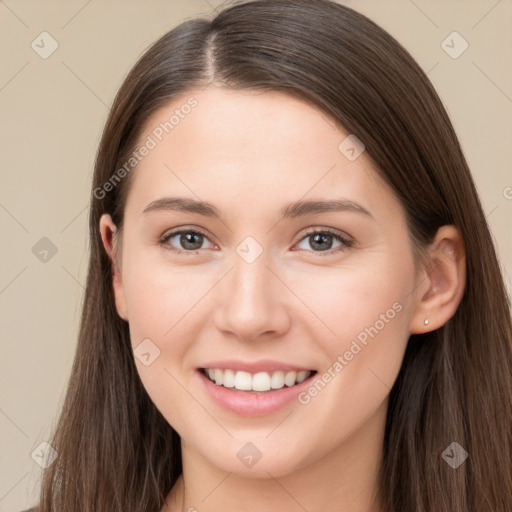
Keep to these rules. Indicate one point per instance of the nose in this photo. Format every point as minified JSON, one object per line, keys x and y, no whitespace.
{"x":253,"y":301}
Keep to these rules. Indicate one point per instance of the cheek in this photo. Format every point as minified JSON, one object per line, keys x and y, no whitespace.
{"x":166,"y":311}
{"x":348,"y":300}
{"x":363,"y":358}
{"x":361,"y":321}
{"x":164,"y":307}
{"x":161,"y":297}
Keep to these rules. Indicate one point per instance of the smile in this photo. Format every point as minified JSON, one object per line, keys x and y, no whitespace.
{"x":260,"y":382}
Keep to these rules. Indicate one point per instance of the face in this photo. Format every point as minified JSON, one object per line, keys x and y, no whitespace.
{"x":263,"y":286}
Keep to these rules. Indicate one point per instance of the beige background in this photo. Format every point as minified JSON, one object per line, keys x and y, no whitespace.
{"x":53,"y":111}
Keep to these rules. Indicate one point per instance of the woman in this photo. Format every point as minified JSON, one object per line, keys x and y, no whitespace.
{"x":293,"y":299}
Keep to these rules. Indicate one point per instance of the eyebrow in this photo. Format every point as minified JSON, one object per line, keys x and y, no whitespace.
{"x":293,"y":210}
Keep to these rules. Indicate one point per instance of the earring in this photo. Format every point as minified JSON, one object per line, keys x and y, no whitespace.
{"x":426,"y":321}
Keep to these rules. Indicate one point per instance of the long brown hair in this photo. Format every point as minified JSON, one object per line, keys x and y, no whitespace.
{"x":116,"y":452}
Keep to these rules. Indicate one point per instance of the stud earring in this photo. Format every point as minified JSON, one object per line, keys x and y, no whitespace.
{"x":426,"y":321}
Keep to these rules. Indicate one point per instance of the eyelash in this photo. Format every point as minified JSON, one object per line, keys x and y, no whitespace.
{"x":347,"y":243}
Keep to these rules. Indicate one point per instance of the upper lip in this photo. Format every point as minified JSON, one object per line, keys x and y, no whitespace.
{"x":262,"y":365}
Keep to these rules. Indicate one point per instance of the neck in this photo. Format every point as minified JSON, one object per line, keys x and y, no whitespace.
{"x":345,"y":479}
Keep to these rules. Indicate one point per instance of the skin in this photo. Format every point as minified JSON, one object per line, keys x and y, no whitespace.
{"x":251,"y":154}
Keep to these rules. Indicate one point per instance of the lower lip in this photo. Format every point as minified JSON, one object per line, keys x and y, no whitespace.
{"x":251,"y":403}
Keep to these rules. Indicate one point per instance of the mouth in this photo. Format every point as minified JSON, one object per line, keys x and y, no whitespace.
{"x":257,"y":383}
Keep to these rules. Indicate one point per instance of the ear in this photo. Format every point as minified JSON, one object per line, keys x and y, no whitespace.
{"x":441,"y":285}
{"x":108,"y":233}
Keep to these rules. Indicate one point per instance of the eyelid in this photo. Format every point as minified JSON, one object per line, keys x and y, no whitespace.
{"x":178,"y":231}
{"x":331,"y":231}
{"x":344,"y":238}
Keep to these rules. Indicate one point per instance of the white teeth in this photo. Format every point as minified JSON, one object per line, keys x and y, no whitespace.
{"x":301,"y":376}
{"x":243,"y":380}
{"x":290,"y":378}
{"x":277,"y":381}
{"x":229,"y":379}
{"x":261,"y":381}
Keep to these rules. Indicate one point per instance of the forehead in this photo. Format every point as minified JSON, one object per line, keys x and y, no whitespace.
{"x":243,"y":121}
{"x":247,"y":147}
